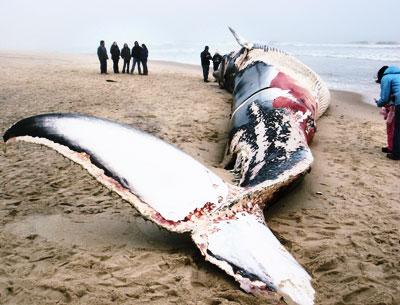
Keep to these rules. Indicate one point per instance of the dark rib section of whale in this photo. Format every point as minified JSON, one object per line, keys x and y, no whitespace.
{"x":276,"y":158}
{"x":247,"y":83}
{"x":251,"y":88}
{"x":42,"y":126}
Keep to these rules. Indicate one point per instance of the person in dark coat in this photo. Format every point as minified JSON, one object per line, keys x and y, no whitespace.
{"x":102,"y":55}
{"x":115,"y":53}
{"x":126,"y":56}
{"x":205,"y":57}
{"x":217,"y":58}
{"x":143,"y":57}
{"x":136,"y":54}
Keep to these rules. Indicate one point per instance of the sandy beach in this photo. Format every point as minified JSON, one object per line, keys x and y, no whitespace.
{"x":64,"y":238}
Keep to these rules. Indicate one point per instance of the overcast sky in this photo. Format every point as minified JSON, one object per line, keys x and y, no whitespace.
{"x":77,"y":26}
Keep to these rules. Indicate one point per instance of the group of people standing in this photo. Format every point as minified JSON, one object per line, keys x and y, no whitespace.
{"x":205,"y":57}
{"x":138,"y":54}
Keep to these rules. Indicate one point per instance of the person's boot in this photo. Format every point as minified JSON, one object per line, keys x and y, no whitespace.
{"x":386,"y":150}
{"x":393,"y":156}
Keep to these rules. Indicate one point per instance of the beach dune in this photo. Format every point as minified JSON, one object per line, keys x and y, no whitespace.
{"x":64,"y":238}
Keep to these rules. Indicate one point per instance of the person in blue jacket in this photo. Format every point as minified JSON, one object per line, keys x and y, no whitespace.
{"x":389,"y":79}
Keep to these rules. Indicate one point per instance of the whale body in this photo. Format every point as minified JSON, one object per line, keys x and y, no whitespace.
{"x":276,"y":103}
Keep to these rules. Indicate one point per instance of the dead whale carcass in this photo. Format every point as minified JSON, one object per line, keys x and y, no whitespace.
{"x":178,"y":193}
{"x":276,"y":102}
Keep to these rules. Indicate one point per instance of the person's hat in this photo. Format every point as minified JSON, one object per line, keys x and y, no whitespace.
{"x":380,"y":74}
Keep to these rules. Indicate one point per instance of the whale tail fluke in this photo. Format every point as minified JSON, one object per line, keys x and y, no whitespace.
{"x":241,"y":41}
{"x":244,"y":247}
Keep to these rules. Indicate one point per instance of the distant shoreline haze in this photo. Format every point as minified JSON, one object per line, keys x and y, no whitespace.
{"x":344,"y":66}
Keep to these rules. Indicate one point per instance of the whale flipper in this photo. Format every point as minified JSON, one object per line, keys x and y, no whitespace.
{"x":162,"y":182}
{"x":244,"y":247}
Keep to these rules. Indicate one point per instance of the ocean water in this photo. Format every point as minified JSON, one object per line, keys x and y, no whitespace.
{"x":350,"y":66}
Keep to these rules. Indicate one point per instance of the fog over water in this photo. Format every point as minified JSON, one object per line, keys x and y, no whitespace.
{"x":70,"y":25}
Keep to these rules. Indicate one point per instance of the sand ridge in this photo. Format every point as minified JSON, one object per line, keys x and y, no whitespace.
{"x":56,"y":236}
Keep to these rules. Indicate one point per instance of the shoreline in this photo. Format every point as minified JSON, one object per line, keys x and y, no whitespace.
{"x":92,"y":58}
{"x":66,"y":239}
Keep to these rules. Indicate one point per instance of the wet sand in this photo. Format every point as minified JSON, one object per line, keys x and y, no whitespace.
{"x":64,"y":238}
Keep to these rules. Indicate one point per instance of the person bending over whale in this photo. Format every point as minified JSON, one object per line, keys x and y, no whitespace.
{"x":217,"y":58}
{"x":389,"y":79}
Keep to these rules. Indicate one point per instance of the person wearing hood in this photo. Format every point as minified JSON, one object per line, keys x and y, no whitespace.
{"x":389,"y":79}
{"x":136,"y":55}
{"x":115,"y":53}
{"x":144,"y":55}
{"x":217,"y":58}
{"x":102,"y":55}
{"x":126,"y":56}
